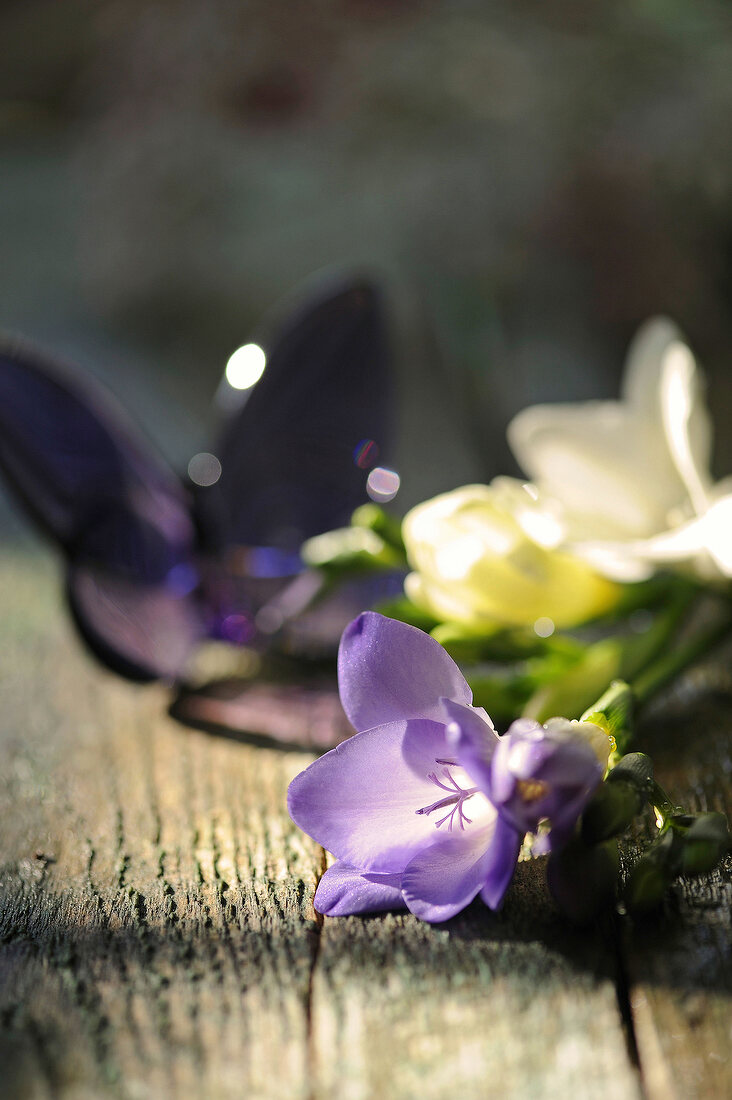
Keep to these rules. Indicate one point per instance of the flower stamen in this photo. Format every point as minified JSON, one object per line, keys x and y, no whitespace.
{"x":530,"y":790}
{"x":456,"y":796}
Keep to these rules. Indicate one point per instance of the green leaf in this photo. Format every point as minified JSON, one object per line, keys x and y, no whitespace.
{"x":574,"y":689}
{"x":372,"y":517}
{"x":349,"y":550}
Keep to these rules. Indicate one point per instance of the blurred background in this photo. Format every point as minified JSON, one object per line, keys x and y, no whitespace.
{"x":530,"y":180}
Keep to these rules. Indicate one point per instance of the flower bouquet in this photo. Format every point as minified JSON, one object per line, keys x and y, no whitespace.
{"x":551,"y":608}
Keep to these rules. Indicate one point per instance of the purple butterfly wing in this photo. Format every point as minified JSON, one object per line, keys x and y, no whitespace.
{"x":72,"y":455}
{"x":288,"y":448}
{"x":288,"y":471}
{"x":119,"y":514}
{"x":303,"y":713}
{"x":274,"y":710}
{"x":140,"y":631}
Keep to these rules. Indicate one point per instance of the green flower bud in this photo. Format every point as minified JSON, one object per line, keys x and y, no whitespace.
{"x":635,"y":768}
{"x":650,"y":876}
{"x":646,"y":885}
{"x":611,"y":811}
{"x":622,"y":796}
{"x":613,"y":710}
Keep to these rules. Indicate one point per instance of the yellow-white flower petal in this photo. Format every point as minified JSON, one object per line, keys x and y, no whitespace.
{"x":611,"y":476}
{"x":685,"y":422}
{"x":475,"y":562}
{"x":629,"y":475}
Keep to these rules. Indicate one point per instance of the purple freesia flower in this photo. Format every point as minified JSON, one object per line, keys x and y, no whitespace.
{"x":542,"y":774}
{"x":412,"y":806}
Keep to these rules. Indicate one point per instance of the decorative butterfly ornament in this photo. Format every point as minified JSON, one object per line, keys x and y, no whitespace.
{"x":156,"y":564}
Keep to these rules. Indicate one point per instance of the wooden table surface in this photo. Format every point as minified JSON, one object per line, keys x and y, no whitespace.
{"x":157,"y":934}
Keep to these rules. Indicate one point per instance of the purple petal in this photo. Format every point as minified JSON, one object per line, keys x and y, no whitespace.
{"x":389,"y":671}
{"x":501,"y":780}
{"x":539,"y":773}
{"x":360,"y":800}
{"x":445,"y":877}
{"x":565,"y":818}
{"x":528,"y":759}
{"x":344,"y":890}
{"x":565,"y":765}
{"x":504,"y":853}
{"x":473,"y":739}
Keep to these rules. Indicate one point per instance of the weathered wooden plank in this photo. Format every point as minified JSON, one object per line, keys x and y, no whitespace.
{"x":156,"y":937}
{"x":679,"y":961}
{"x":510,"y":1005}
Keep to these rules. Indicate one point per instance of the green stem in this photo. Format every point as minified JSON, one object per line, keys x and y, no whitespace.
{"x":641,"y":652}
{"x":659,"y":672}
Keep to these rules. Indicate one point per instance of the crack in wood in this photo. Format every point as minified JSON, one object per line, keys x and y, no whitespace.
{"x":622,"y":990}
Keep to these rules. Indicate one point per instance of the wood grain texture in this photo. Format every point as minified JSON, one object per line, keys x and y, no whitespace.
{"x":157,"y":933}
{"x":512,"y":1005}
{"x":157,"y":936}
{"x":679,"y":963}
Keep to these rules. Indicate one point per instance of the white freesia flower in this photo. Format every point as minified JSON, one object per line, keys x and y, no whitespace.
{"x":484,"y":555}
{"x":632,"y":476}
{"x":704,"y":543}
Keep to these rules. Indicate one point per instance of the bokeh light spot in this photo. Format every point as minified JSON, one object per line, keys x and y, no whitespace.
{"x":366,"y":453}
{"x":182,"y":579}
{"x":383,"y":484}
{"x":245,"y":367}
{"x":544,"y":627}
{"x":204,"y":469}
{"x":269,"y":620}
{"x":237,"y":629}
{"x":640,"y":620}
